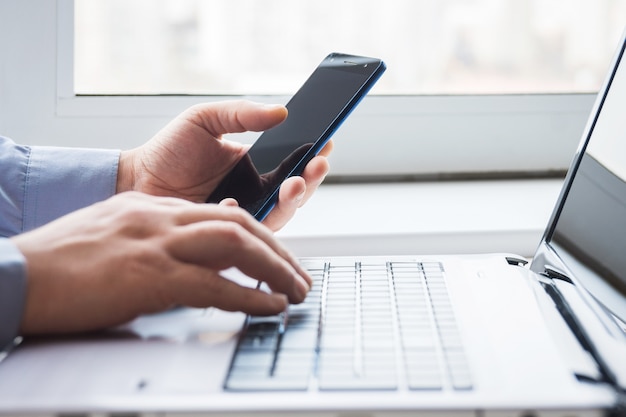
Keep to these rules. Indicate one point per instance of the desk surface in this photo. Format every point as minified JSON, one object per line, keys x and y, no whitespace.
{"x":423,"y":218}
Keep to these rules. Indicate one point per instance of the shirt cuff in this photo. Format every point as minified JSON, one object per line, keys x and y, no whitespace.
{"x":12,"y":292}
{"x":62,"y":180}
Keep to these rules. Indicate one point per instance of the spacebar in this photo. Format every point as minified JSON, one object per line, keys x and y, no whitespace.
{"x":374,"y":382}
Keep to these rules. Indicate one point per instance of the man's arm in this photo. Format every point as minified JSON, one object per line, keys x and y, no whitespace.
{"x":138,"y":254}
{"x":161,"y":251}
{"x":39,"y":184}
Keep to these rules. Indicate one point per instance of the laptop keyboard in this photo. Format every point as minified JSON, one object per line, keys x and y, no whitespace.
{"x":363,"y":326}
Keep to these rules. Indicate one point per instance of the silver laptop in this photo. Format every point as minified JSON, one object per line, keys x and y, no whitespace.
{"x":484,"y":335}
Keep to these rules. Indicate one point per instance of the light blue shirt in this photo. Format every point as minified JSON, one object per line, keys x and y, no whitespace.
{"x":37,"y":185}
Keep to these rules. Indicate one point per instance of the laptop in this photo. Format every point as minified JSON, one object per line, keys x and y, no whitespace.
{"x":475,"y":335}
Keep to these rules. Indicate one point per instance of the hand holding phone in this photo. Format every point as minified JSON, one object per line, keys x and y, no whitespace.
{"x":314,"y":113}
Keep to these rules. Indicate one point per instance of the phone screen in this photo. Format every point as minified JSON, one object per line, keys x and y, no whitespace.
{"x":315,"y":112}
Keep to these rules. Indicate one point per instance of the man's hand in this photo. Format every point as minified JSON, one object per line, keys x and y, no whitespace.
{"x":188,"y":158}
{"x":134,"y":254}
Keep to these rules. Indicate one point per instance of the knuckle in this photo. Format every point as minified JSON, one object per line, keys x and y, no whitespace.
{"x":232,"y":234}
{"x":239,"y":215}
{"x":135,"y":215}
{"x":140,"y":220}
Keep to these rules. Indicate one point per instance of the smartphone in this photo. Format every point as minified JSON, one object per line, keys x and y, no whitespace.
{"x":315,"y":112}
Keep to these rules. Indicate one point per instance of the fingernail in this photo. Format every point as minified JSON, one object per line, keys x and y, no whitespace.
{"x":271,"y":106}
{"x":280,"y":302}
{"x":303,"y":286}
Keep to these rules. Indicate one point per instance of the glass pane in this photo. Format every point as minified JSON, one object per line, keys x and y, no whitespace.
{"x":225,"y":47}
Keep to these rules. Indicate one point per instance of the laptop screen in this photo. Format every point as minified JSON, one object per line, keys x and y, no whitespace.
{"x":589,"y":233}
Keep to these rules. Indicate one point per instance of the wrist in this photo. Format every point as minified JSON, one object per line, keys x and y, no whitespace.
{"x":125,"y":173}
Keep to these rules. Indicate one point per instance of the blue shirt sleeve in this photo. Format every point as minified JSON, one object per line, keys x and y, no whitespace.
{"x":37,"y":185}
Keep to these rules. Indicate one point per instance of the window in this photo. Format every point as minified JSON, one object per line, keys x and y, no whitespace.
{"x":226,"y":47}
{"x":433,"y":117}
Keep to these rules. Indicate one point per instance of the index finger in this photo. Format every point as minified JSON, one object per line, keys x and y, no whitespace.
{"x":220,"y":237}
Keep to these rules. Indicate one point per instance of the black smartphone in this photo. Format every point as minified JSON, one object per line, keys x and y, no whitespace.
{"x":315,"y":112}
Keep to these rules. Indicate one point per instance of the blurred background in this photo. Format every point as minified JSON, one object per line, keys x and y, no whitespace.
{"x":226,"y":47}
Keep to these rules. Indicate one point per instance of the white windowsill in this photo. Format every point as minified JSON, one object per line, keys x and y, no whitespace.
{"x":423,"y":218}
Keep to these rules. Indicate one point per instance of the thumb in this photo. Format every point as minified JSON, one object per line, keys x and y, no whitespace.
{"x":236,"y":116}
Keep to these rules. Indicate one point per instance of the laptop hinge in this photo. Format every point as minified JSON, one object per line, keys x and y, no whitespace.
{"x":573,"y":323}
{"x":553,"y":273}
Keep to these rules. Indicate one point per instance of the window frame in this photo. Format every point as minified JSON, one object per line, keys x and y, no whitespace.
{"x":386,"y":137}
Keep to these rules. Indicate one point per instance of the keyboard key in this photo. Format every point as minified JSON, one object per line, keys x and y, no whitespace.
{"x":293,"y":362}
{"x":459,"y":369}
{"x":299,"y":339}
{"x":266,"y":341}
{"x":340,"y":370}
{"x":423,"y":380}
{"x":337,"y":340}
{"x":262,"y":359}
